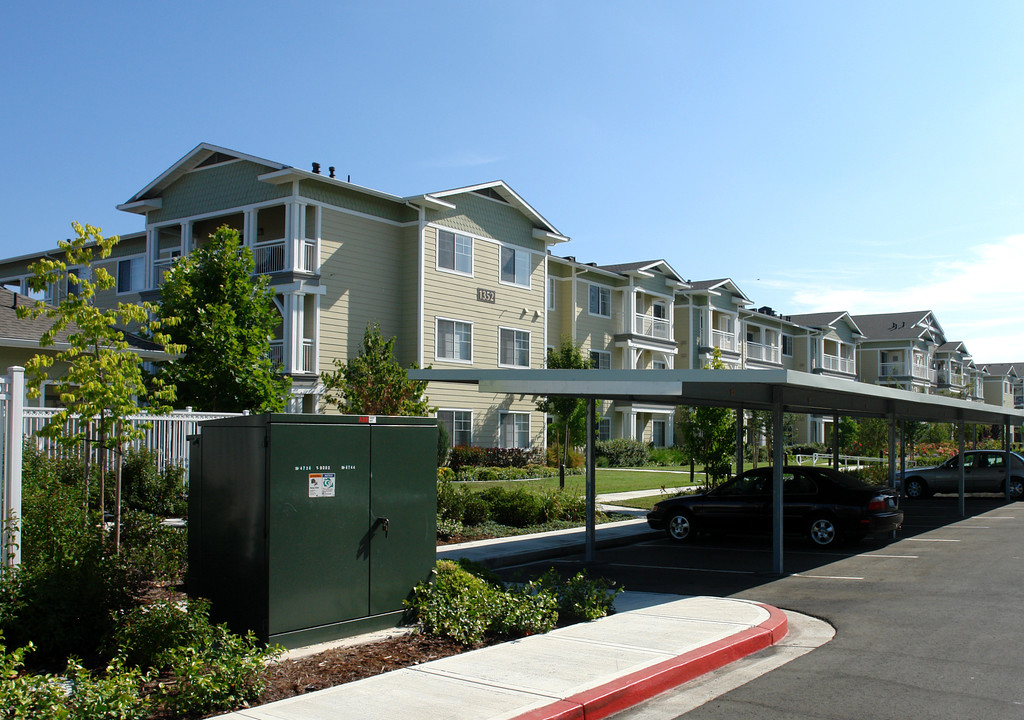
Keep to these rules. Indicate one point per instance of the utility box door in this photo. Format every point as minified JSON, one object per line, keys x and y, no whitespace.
{"x":403,"y":498}
{"x":318,"y":517}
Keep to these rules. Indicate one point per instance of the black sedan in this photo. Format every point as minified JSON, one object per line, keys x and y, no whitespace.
{"x":820,"y":503}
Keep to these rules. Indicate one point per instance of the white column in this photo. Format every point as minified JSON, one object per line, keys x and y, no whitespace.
{"x":187,"y":243}
{"x":288,"y":332}
{"x":152,"y":253}
{"x":11,"y":543}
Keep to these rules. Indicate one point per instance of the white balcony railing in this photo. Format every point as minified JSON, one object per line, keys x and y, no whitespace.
{"x":309,"y":258}
{"x":277,"y":352}
{"x":723,"y":340}
{"x":835,"y":363}
{"x":923,"y":372}
{"x":268,"y":257}
{"x":306,"y":362}
{"x":765,"y":353}
{"x":160,"y":269}
{"x":650,"y":326}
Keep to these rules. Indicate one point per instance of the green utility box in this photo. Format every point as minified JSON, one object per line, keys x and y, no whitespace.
{"x":307,"y":528}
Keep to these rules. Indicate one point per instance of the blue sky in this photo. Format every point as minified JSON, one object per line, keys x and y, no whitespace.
{"x":826,"y":156}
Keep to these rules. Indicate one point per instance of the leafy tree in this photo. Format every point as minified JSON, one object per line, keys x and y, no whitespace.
{"x":847,"y":433}
{"x":762,"y":422}
{"x":104,"y":380}
{"x":872,"y":436}
{"x":374,"y":383}
{"x":708,"y":433}
{"x":227,"y":319}
{"x":569,"y":413}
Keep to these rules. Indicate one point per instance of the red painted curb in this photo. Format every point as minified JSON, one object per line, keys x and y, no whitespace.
{"x":641,"y":685}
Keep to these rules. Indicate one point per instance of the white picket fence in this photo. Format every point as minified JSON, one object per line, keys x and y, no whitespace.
{"x":165,"y":435}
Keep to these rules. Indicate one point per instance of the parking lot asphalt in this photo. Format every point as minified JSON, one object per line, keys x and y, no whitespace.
{"x":653,"y":642}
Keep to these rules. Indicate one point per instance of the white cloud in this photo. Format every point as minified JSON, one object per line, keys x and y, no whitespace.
{"x":982,"y":291}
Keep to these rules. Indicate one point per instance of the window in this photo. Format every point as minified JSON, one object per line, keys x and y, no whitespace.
{"x":552,"y":292}
{"x":787,"y":345}
{"x":600,"y":301}
{"x":459,"y":424}
{"x":604,"y":429}
{"x":659,"y":311}
{"x":515,"y":266}
{"x":600,"y":359}
{"x":513,"y":347}
{"x":658,"y":433}
{"x":130,"y":272}
{"x":455,"y":252}
{"x":514,"y":430}
{"x":454,"y":340}
{"x":659,"y":365}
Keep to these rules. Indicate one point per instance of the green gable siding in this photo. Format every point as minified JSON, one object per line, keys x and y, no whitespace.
{"x":488,"y":218}
{"x":347,"y":199}
{"x":216,"y":189}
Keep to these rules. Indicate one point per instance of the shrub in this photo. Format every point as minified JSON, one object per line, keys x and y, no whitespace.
{"x":466,"y":608}
{"x":145,"y":635}
{"x":666,"y":456}
{"x":475,"y":509}
{"x":471,"y":456}
{"x":562,"y":505}
{"x":445,"y":474}
{"x":579,"y":598}
{"x":79,"y":695}
{"x":145,"y":487}
{"x":517,"y":508}
{"x":155,"y":551}
{"x":444,"y":444}
{"x":448,"y":528}
{"x":623,"y":452}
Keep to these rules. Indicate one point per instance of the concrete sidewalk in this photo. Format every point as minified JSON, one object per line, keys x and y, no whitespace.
{"x":651,"y":644}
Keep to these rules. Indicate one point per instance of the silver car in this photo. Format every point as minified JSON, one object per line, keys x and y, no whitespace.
{"x":984,"y":471}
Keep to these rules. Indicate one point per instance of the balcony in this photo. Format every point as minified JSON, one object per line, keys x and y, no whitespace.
{"x":951,"y":379}
{"x":650,"y":326}
{"x":724,"y":340}
{"x":268,"y":257}
{"x":834,"y":363}
{"x":899,"y":369}
{"x":763,"y":353}
{"x":306,"y":363}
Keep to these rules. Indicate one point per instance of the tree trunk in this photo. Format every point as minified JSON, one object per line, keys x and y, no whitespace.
{"x":565,"y":457}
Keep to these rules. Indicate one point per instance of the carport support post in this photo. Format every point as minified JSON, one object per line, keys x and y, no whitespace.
{"x":835,"y":442}
{"x":739,"y":440}
{"x":1006,"y":444}
{"x":960,"y":441}
{"x":777,"y":459}
{"x":591,"y":490}
{"x":892,"y":447}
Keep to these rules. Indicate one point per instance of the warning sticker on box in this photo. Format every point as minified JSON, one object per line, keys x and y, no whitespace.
{"x":321,"y":485}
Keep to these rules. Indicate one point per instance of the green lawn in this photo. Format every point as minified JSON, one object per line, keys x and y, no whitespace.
{"x":609,"y":480}
{"x":642,"y":503}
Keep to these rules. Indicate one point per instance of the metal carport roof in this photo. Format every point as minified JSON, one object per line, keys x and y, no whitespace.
{"x":776,"y":390}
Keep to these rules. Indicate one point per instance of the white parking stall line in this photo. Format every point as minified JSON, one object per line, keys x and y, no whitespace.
{"x":687,"y":569}
{"x":891,"y":557}
{"x":826,"y":577}
{"x":929,"y":540}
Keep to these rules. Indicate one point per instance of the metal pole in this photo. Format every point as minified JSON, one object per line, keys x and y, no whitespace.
{"x":10,"y":539}
{"x":960,"y":437}
{"x":777,"y":456}
{"x":835,"y":442}
{"x":739,"y":440}
{"x":591,"y":491}
{"x":1006,"y":444}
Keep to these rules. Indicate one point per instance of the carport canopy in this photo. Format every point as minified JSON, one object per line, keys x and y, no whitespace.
{"x":779,"y":391}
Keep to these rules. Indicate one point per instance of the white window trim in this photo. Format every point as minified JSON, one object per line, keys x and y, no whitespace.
{"x":602,"y":353}
{"x":437,"y":252}
{"x":529,"y":429}
{"x":527,"y":254}
{"x":451,"y":439}
{"x":601,"y":422}
{"x":600,"y":288}
{"x":117,"y":274}
{"x":529,"y":348}
{"x":782,"y":344}
{"x":437,"y":321}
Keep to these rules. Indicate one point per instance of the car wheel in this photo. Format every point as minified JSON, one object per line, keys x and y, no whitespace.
{"x":915,"y":488}
{"x":823,"y":531}
{"x":1016,"y":488}
{"x":680,"y":527}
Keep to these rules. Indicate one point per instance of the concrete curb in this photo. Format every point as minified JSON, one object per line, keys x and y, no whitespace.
{"x":634,"y":688}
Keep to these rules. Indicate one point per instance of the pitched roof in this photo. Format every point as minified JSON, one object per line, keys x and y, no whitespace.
{"x":643,"y":268}
{"x":824,"y":319}
{"x":25,"y":332}
{"x":899,"y":326}
{"x":713,"y":286}
{"x":1004,"y":369}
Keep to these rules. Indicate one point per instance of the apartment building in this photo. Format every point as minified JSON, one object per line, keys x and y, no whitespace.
{"x":470,"y":277}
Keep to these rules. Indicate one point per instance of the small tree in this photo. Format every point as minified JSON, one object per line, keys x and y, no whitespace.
{"x":227,"y":320}
{"x":104,"y":381}
{"x":374,"y":383}
{"x":569,"y":413}
{"x":708,"y":433}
